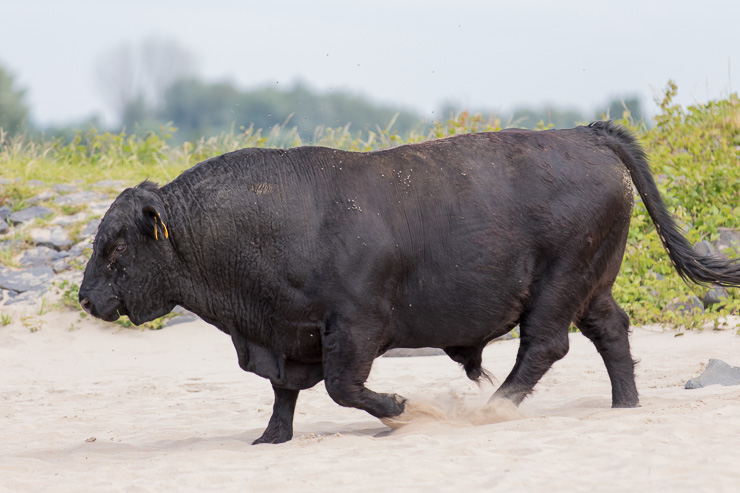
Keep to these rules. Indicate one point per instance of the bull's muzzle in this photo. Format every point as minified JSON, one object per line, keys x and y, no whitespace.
{"x":86,"y":305}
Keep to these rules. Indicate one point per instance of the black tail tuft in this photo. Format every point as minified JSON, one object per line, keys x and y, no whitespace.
{"x":689,"y":264}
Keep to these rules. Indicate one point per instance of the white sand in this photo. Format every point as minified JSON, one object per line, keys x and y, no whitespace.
{"x":107,"y":409}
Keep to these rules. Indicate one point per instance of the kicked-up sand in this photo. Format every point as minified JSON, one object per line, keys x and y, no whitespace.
{"x":100,"y":408}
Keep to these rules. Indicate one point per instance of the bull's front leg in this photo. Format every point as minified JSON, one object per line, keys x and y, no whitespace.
{"x":348,"y":351}
{"x":280,"y":428}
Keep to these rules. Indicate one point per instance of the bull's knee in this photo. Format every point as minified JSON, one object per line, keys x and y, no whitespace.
{"x":559,"y":348}
{"x":551,"y":350}
{"x":357,"y":396}
{"x":340,"y":392}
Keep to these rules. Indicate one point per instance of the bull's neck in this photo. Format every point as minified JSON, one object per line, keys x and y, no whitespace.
{"x":202,"y":268}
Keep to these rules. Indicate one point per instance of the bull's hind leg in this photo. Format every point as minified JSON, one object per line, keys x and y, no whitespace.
{"x":543,"y":340}
{"x":607,"y":326}
{"x":348,"y":354}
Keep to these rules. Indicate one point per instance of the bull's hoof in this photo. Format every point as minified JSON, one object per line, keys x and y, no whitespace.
{"x":625,"y":403}
{"x":414,"y":412}
{"x":273,"y":436}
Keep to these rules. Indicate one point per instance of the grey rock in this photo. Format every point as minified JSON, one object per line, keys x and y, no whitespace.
{"x":4,"y":228}
{"x":12,"y":244}
{"x":90,"y":229}
{"x":78,"y":198}
{"x":715,"y":296}
{"x":717,"y":372}
{"x":60,"y":265}
{"x":35,"y":183}
{"x":67,"y":263}
{"x":705,"y":248}
{"x":55,"y":237}
{"x":679,"y":305}
{"x":25,"y":280}
{"x":81,"y":248}
{"x":69,"y":220}
{"x":43,"y":196}
{"x":60,"y":255}
{"x":408,"y":352}
{"x":99,"y":208}
{"x":728,"y":239}
{"x":64,"y":188}
{"x":108,"y":184}
{"x":40,"y":255}
{"x":29,"y":214}
{"x":181,"y":319}
{"x":181,"y":316}
{"x":27,"y":296}
{"x":4,"y":212}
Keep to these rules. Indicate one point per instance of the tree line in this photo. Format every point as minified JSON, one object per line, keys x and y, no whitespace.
{"x":154,"y":84}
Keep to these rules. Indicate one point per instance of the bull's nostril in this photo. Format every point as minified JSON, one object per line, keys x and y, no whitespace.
{"x":86,"y":304}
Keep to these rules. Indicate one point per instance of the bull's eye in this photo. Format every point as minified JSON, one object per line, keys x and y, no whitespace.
{"x":117,"y":252}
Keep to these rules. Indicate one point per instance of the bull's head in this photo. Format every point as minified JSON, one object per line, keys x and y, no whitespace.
{"x":128,"y":273}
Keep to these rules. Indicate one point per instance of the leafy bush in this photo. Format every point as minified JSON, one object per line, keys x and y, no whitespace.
{"x":695,"y":156}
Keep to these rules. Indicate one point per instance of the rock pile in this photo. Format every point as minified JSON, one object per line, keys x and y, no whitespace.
{"x":727,"y":246}
{"x":40,"y":244}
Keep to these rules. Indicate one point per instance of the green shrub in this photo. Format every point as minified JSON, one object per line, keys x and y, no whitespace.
{"x":695,"y":157}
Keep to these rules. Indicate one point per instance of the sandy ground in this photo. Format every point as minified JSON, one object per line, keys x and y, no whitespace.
{"x":100,"y":408}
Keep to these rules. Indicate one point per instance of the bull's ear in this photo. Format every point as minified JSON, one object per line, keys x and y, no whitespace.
{"x":154,"y":222}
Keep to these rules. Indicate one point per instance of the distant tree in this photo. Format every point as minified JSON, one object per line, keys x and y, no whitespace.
{"x":116,"y":77}
{"x":523,"y":117}
{"x":13,"y":108}
{"x":531,"y":117}
{"x":163,"y":62}
{"x":134,"y":79}
{"x":200,"y":109}
{"x":338,"y":108}
{"x":616,"y":108}
{"x":138,"y":114}
{"x":68,"y":130}
{"x":557,"y":117}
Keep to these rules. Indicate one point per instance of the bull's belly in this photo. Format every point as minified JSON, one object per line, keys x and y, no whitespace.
{"x":448,"y":325}
{"x":454,"y":306}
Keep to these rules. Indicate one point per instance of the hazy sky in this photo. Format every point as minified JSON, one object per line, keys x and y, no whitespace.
{"x":481,"y":54}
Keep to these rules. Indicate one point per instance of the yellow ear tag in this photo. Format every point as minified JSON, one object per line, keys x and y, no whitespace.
{"x":164,"y":226}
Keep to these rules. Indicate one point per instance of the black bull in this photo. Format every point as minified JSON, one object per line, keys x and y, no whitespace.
{"x":316,"y":261}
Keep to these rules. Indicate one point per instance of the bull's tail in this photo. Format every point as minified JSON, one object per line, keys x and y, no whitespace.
{"x":690,"y":265}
